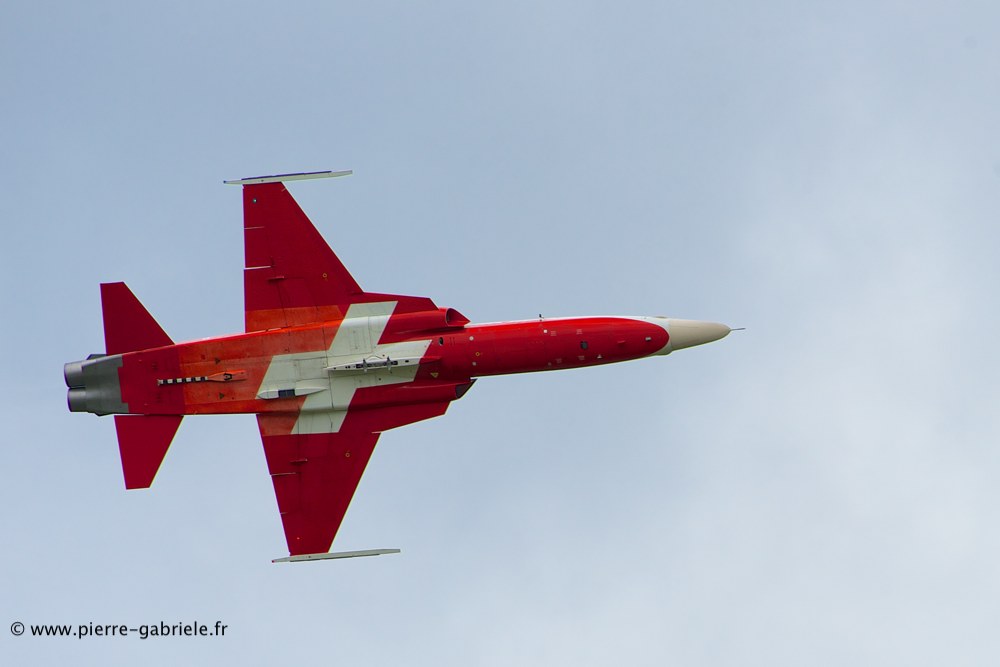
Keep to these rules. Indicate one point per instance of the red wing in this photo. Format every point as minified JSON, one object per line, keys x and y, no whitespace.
{"x":315,"y":474}
{"x":314,"y":478}
{"x":291,"y":275}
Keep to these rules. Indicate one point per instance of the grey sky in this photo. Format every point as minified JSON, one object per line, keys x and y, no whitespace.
{"x":819,"y":489}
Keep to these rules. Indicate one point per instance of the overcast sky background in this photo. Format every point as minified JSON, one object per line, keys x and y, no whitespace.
{"x":819,"y":489}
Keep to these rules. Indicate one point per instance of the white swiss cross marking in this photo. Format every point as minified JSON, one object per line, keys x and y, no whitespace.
{"x":328,"y":395}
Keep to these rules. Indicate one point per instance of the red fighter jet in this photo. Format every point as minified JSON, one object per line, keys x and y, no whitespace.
{"x":326,"y":366}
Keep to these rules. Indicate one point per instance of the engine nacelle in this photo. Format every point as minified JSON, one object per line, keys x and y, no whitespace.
{"x":94,"y":385}
{"x":428,"y":320}
{"x":411,"y":393}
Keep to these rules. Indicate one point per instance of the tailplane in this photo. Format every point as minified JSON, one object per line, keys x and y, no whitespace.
{"x":128,"y":326}
{"x":95,"y":383}
{"x":143,"y":441}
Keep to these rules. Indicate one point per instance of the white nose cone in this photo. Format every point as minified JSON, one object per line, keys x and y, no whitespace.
{"x":688,"y":333}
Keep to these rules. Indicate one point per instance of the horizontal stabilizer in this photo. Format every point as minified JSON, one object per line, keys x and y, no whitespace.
{"x":143,"y":441}
{"x":128,"y":326}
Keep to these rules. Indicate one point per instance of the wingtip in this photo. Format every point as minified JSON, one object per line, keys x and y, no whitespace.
{"x":336,"y":555}
{"x":281,"y":178}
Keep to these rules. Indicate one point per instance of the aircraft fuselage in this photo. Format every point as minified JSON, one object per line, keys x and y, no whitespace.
{"x":366,"y":361}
